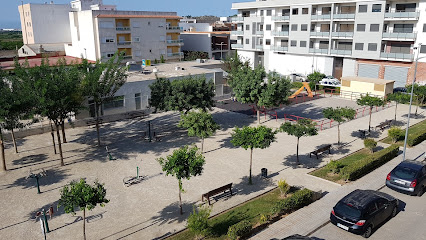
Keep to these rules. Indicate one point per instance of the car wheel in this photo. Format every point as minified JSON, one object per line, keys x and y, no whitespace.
{"x":420,"y":192}
{"x":394,"y":211}
{"x":368,"y":232}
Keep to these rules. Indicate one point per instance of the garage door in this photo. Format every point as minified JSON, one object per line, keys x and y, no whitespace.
{"x":398,"y":74}
{"x":368,"y":70}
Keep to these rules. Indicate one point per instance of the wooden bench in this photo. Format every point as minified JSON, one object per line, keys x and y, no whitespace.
{"x":320,"y":150}
{"x":216,"y":192}
{"x":384,"y":124}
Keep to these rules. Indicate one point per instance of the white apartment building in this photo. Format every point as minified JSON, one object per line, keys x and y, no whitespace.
{"x":98,"y":31}
{"x":375,"y":39}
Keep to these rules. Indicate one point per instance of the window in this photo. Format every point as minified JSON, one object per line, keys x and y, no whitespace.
{"x":423,"y":49}
{"x":362,"y":8}
{"x":304,"y":27}
{"x":293,"y":27}
{"x":377,"y":8}
{"x":261,"y":12}
{"x":293,"y":43}
{"x":302,"y":43}
{"x":108,"y":40}
{"x":115,"y":103}
{"x":247,"y":27}
{"x":359,"y":46}
{"x":138,"y":53}
{"x":374,"y":27}
{"x":360,"y":27}
{"x":268,"y":12}
{"x":268,"y":27}
{"x":295,"y":11}
{"x":149,"y":23}
{"x":268,"y":41}
{"x":403,"y":28}
{"x":372,"y":208}
{"x":106,"y":25}
{"x":247,"y":41}
{"x":285,"y":12}
{"x":305,"y":10}
{"x":372,"y":47}
{"x":424,"y":27}
{"x":136,"y":39}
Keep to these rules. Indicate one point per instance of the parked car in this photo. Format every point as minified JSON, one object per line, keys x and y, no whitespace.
{"x":330,"y":80}
{"x":361,"y":211}
{"x":400,"y":89}
{"x":408,"y":177}
{"x":297,"y":77}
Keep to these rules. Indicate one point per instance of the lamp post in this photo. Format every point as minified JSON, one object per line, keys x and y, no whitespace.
{"x":411,"y":101}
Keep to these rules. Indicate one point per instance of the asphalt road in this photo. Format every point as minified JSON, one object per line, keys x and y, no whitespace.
{"x":408,"y":224}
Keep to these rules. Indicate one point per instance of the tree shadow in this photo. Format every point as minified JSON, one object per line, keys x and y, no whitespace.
{"x":372,"y":134}
{"x":259,"y":184}
{"x":53,"y":176}
{"x":412,"y":115}
{"x":30,"y":160}
{"x":170,"y":214}
{"x":230,"y":120}
{"x":19,"y":143}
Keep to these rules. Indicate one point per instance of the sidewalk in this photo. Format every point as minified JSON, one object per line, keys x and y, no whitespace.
{"x":312,"y":217}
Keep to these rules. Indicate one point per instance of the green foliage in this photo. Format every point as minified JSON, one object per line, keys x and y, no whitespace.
{"x":264,"y":218}
{"x":283,"y":186}
{"x":416,"y":138}
{"x":155,"y":61}
{"x":298,"y":200}
{"x":11,"y":40}
{"x":162,"y":60}
{"x":240,"y":229}
{"x":367,"y":100}
{"x":297,"y":85}
{"x":395,"y":133}
{"x":160,"y":91}
{"x":314,"y":79}
{"x":419,"y":91}
{"x":368,"y":164}
{"x":304,"y":127}
{"x":231,"y":64}
{"x":198,"y":220}
{"x":194,"y":55}
{"x":398,"y":97}
{"x":339,"y":114}
{"x":370,"y":144}
{"x":253,"y":137}
{"x":335,"y":166}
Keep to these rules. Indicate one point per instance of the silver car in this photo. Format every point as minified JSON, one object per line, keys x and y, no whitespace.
{"x":297,"y":77}
{"x":408,"y":177}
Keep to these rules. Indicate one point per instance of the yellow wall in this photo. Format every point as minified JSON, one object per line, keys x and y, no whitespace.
{"x":173,"y":22}
{"x":366,"y":87}
{"x":127,"y":36}
{"x":174,"y":49}
{"x":175,"y":36}
{"x":128,"y":51}
{"x":122,"y":22}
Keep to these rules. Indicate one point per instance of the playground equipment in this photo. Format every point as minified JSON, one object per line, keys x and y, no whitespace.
{"x":110,"y":157}
{"x":305,"y":86}
{"x":129,"y":181}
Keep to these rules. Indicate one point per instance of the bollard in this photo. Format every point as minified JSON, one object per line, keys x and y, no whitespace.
{"x":45,"y":221}
{"x":137,"y":172}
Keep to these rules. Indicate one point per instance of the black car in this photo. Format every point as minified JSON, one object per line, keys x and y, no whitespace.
{"x":363,"y":210}
{"x":408,"y":177}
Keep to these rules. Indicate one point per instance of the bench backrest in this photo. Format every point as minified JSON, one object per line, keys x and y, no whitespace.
{"x":324,"y":148}
{"x":220,"y":189}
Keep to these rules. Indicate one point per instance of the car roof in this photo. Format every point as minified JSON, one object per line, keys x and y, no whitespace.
{"x":411,"y":164}
{"x":361,"y":198}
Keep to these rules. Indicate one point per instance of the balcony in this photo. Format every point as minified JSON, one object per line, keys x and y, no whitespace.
{"x":122,"y":43}
{"x":237,"y":19}
{"x":236,"y":45}
{"x":177,"y":42}
{"x":174,"y":28}
{"x":279,"y":33}
{"x":402,"y":15}
{"x":237,"y":32}
{"x":317,"y":50}
{"x":400,"y":36}
{"x":397,"y":56}
{"x":280,"y":18}
{"x":320,"y":34}
{"x":342,"y":34}
{"x":259,"y":47}
{"x":340,"y":52}
{"x":279,"y":49}
{"x":175,"y":54}
{"x":344,"y":16}
{"x":259,"y":33}
{"x":123,"y":28}
{"x":127,"y":56}
{"x":321,"y":17}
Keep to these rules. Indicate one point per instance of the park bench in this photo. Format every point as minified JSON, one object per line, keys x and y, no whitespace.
{"x":216,"y":192}
{"x":321,"y":150}
{"x":384,"y":124}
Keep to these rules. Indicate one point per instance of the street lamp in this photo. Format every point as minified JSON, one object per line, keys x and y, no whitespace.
{"x":411,"y":101}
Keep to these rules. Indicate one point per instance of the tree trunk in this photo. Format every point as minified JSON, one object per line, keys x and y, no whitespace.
{"x":258,"y":116}
{"x":180,"y":197}
{"x":396,"y":107}
{"x":202,"y":145}
{"x":14,"y":141}
{"x":63,"y":132}
{"x":97,"y":124}
{"x":338,"y":133}
{"x":52,"y":132}
{"x":84,"y":223}
{"x":3,"y":156}
{"x":297,"y":152}
{"x":417,"y":107}
{"x":369,"y":122}
{"x":251,"y":160}
{"x":59,"y":144}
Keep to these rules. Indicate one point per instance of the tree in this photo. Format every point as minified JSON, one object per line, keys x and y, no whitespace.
{"x":314,"y":78}
{"x":398,"y":97}
{"x":183,"y":164}
{"x":367,"y":100}
{"x":80,"y":195}
{"x":420,"y":93}
{"x":200,"y":124}
{"x":4,"y":105}
{"x":370,"y":144}
{"x":198,"y":221}
{"x":250,"y":86}
{"x":251,"y":138}
{"x":303,"y":127}
{"x":339,"y":115}
{"x":395,"y":133}
{"x":160,"y":91}
{"x":101,"y":81}
{"x":232,"y":64}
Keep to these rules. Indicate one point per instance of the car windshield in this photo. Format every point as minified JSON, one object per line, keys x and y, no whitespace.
{"x":405,"y":173}
{"x":330,"y":77}
{"x":347,"y":210}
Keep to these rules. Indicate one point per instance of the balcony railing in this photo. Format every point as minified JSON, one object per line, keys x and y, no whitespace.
{"x":259,"y":47}
{"x":259,"y":32}
{"x":280,"y":18}
{"x":342,"y":34}
{"x":279,"y":49}
{"x":174,"y":41}
{"x":236,"y":45}
{"x":176,"y":54}
{"x":401,"y":14}
{"x":174,"y":28}
{"x":237,"y":19}
{"x":279,"y":33}
{"x":127,"y":56}
{"x":344,"y":16}
{"x":397,"y":56}
{"x":124,"y":43}
{"x":321,"y":17}
{"x":122,"y":28}
{"x":237,"y":32}
{"x":317,"y":50}
{"x":341,"y":52}
{"x":400,"y":36}
{"x":320,"y":34}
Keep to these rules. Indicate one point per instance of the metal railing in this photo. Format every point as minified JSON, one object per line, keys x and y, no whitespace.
{"x":321,"y":17}
{"x":344,"y":16}
{"x":259,"y":47}
{"x":317,"y":50}
{"x":174,"y":28}
{"x":122,"y":28}
{"x":176,"y":54}
{"x":401,"y":14}
{"x":124,"y":43}
{"x":174,"y":41}
{"x":237,"y":19}
{"x":127,"y":56}
{"x":407,"y":36}
{"x":341,"y":52}
{"x":237,"y":32}
{"x":280,"y":18}
{"x":398,"y":56}
{"x":259,"y":32}
{"x":279,"y":33}
{"x":279,"y":49}
{"x":236,"y":45}
{"x":342,"y":34}
{"x":320,"y":34}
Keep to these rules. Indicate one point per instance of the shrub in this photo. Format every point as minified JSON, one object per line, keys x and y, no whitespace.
{"x":296,"y":85}
{"x":335,"y":166}
{"x":264,"y":218}
{"x":239,"y":229}
{"x":198,"y":220}
{"x":155,"y":61}
{"x":370,"y":144}
{"x":299,"y":199}
{"x":395,"y":133}
{"x":283,"y":186}
{"x":416,"y":138}
{"x":162,"y":60}
{"x":368,"y":164}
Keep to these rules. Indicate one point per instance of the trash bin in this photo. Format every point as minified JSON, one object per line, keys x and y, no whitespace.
{"x":264,"y":172}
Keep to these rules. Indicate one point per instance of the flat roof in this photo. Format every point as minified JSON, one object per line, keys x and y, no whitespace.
{"x":136,"y":16}
{"x":33,"y":62}
{"x":215,"y":32}
{"x":369,"y":80}
{"x":168,"y":70}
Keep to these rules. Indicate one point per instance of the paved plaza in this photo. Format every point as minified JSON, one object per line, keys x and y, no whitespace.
{"x":149,"y":210}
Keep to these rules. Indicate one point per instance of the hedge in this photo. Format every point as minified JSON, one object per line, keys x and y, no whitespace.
{"x":298,"y":200}
{"x":416,"y":138}
{"x":240,"y":229}
{"x":368,"y":164}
